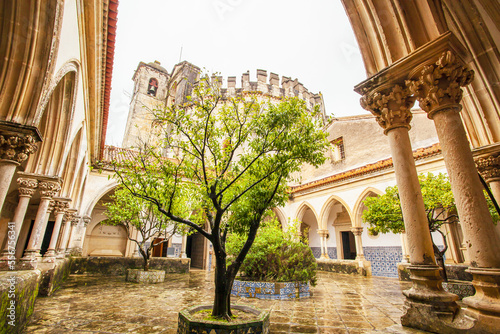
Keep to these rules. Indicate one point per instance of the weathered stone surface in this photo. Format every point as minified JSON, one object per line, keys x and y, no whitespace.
{"x":53,"y":275}
{"x":187,"y":325}
{"x":149,"y":277}
{"x":119,"y":265}
{"x":456,"y":272}
{"x":343,"y":267}
{"x":19,"y":291}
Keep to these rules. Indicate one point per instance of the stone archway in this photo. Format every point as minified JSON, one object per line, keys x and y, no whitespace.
{"x":308,"y":229}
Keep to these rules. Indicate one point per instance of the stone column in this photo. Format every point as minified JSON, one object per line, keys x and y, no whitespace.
{"x":404,"y":248}
{"x":437,"y":87}
{"x":48,"y":190}
{"x":74,"y":223}
{"x":26,"y":190}
{"x":488,"y":164}
{"x":86,"y":221}
{"x":357,"y":231}
{"x":391,"y":107}
{"x":68,"y":217}
{"x":324,"y":250}
{"x":60,"y":207}
{"x":183,"y":247}
{"x":14,"y":149}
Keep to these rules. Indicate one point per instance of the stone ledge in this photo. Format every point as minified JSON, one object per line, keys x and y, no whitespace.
{"x":352,"y":267}
{"x":147,"y":277}
{"x":117,"y":266}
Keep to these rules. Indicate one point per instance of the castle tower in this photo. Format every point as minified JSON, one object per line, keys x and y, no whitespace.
{"x":150,"y":92}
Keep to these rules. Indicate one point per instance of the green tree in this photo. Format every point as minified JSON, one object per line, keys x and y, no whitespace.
{"x":136,"y":214}
{"x":231,"y":161}
{"x":384,"y":212}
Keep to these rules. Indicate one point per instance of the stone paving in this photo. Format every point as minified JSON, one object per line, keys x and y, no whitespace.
{"x":340,"y":304}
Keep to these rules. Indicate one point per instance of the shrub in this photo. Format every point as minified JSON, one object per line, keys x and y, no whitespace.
{"x":275,"y":256}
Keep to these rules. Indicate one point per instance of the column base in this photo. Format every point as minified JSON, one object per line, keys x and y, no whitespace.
{"x":49,"y":256}
{"x":324,"y":257}
{"x":485,"y":304}
{"x":428,"y":307}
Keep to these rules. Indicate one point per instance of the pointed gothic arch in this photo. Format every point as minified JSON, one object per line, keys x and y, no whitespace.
{"x":359,"y":206}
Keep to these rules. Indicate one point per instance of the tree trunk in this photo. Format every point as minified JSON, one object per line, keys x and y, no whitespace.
{"x":223,"y":284}
{"x":145,"y":257}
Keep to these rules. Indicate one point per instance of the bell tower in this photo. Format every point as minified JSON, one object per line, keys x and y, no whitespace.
{"x":150,"y":92}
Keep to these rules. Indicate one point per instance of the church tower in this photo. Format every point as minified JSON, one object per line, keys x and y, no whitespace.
{"x":150,"y":92}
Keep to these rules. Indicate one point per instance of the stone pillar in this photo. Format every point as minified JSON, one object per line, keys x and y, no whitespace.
{"x":391,"y":107}
{"x":437,"y":87}
{"x":357,"y":231}
{"x":183,"y":247}
{"x":60,"y":207}
{"x":404,"y":248}
{"x":488,"y":164}
{"x":74,"y":223}
{"x":86,"y":221}
{"x":14,"y":149}
{"x":68,"y":217}
{"x":26,"y":190}
{"x":324,"y":250}
{"x":48,"y":190}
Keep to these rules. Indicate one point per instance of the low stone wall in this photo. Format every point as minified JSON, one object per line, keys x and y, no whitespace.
{"x":270,"y":290}
{"x":53,"y":275}
{"x":351,"y":267}
{"x":147,"y":277}
{"x":19,"y":291}
{"x":455,"y":272}
{"x":117,"y":266}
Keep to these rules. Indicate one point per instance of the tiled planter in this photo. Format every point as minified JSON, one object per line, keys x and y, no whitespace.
{"x":187,"y":325}
{"x":141,"y":276}
{"x":271,"y":290}
{"x":462,"y":289}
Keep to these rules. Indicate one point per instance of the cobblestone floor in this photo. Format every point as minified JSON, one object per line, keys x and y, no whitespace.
{"x":340,"y":304}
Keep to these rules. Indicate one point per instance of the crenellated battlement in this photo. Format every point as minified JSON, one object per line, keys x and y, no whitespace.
{"x":269,"y":87}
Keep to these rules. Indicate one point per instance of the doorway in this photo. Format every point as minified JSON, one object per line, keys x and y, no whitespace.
{"x":348,"y":245}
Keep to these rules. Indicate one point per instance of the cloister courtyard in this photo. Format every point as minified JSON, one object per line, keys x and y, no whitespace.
{"x":102,"y":304}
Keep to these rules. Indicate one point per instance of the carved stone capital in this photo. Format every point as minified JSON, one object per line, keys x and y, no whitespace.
{"x":17,"y":147}
{"x":26,"y":186}
{"x":323,"y":233}
{"x":438,"y":86}
{"x":357,"y":230}
{"x":489,"y":167}
{"x":48,"y":188}
{"x":75,"y":220}
{"x":60,"y":206}
{"x":70,"y":215}
{"x":390,"y":107}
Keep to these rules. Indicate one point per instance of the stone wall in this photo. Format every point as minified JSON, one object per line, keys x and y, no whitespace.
{"x":351,"y":267}
{"x":19,"y":291}
{"x":119,"y":265}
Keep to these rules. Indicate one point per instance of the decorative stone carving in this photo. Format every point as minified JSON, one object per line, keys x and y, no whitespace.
{"x":392,"y":108}
{"x":439,"y":85}
{"x":49,"y":189}
{"x":86,"y":221}
{"x":489,"y":167}
{"x":75,"y":220}
{"x":17,"y":147}
{"x":27,"y":186}
{"x":60,"y":206}
{"x":357,"y":230}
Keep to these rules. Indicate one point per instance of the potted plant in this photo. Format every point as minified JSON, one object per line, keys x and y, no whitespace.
{"x":228,"y":162}
{"x":144,"y":224}
{"x":278,"y":266}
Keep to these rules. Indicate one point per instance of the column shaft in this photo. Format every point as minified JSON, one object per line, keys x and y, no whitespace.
{"x":7,"y":170}
{"x":481,"y":238}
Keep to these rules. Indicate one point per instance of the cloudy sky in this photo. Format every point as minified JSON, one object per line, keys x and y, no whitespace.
{"x":311,"y":41}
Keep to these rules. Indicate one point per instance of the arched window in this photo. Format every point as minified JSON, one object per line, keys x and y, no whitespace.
{"x":152,"y":86}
